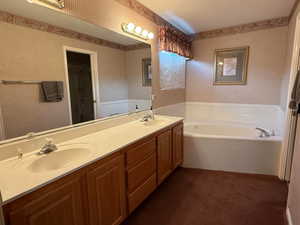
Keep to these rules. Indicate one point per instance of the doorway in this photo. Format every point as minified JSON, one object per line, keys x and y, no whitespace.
{"x":81,"y":84}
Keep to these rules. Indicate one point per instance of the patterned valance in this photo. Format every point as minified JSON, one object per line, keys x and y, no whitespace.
{"x":172,"y":41}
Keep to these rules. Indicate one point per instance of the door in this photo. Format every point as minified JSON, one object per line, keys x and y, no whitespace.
{"x":60,"y":203}
{"x":106,"y":192}
{"x":177,"y":146}
{"x":80,"y":87}
{"x":164,"y":155}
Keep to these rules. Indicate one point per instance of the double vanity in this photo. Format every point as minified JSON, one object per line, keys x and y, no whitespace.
{"x":98,"y":179}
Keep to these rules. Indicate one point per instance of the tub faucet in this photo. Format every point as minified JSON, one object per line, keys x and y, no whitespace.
{"x":265,"y":133}
{"x":48,"y":147}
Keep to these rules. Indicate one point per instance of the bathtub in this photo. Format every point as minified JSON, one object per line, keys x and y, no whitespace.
{"x":230,"y":147}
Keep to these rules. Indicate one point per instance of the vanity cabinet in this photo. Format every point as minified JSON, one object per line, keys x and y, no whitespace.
{"x":141,"y":172}
{"x":106,"y":191}
{"x":177,"y":145}
{"x":59,"y":203}
{"x":164,"y":155}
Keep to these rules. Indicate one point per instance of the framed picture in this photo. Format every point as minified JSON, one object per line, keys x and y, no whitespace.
{"x":231,"y":66}
{"x":147,"y":72}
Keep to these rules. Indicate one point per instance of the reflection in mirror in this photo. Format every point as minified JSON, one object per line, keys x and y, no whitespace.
{"x":65,"y":73}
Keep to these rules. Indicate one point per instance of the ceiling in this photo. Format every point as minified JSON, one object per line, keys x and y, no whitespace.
{"x":193,"y":16}
{"x":43,"y":14}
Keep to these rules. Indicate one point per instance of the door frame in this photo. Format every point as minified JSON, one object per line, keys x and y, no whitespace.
{"x":2,"y":128}
{"x":289,"y":119}
{"x":95,"y":78}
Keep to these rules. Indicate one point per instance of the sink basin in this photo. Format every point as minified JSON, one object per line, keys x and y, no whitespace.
{"x":154,"y":122}
{"x":60,"y":158}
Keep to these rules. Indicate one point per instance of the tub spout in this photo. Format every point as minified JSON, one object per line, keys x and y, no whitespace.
{"x":265,"y":132}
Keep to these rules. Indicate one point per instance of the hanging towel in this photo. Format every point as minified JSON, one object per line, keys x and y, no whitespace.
{"x":53,"y":91}
{"x":295,"y":97}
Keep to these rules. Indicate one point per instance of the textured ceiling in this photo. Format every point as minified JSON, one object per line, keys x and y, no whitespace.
{"x":193,"y":16}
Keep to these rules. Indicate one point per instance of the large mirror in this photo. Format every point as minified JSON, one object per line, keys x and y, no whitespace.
{"x":67,"y":72}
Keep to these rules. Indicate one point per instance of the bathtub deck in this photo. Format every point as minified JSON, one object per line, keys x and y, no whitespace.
{"x":199,"y":197}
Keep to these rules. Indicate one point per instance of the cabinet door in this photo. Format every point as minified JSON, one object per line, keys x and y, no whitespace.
{"x":60,"y":203}
{"x":177,"y":145}
{"x":106,"y":192}
{"x":164,"y":155}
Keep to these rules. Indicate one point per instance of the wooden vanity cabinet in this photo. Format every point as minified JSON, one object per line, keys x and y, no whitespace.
{"x":164,"y":155}
{"x":106,"y":191}
{"x":177,"y":133}
{"x":60,"y":203}
{"x":141,"y":161}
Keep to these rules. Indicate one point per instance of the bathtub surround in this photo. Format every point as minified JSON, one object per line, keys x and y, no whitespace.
{"x":265,"y":68}
{"x":267,"y":116}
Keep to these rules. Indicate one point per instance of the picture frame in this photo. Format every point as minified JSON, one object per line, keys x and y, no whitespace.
{"x":231,"y":66}
{"x":147,"y":72}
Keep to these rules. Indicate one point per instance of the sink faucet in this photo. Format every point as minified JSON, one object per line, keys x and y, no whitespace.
{"x":148,"y":116}
{"x":265,"y":133}
{"x":48,"y":147}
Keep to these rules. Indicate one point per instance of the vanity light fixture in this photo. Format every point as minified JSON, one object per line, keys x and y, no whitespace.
{"x":137,"y":31}
{"x":55,"y":3}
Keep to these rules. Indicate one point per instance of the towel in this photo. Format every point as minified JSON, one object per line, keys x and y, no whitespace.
{"x":53,"y":91}
{"x":295,"y":97}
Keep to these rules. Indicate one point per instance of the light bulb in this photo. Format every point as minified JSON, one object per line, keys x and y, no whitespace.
{"x":145,"y":33}
{"x":138,"y":30}
{"x":130,"y":27}
{"x":150,"y":35}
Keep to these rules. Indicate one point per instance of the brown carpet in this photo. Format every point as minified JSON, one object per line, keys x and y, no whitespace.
{"x":198,"y":197}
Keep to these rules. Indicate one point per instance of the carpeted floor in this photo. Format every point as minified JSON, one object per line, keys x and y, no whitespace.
{"x":198,"y":197}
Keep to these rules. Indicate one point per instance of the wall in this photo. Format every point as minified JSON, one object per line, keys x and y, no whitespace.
{"x":39,"y":56}
{"x":294,"y":187}
{"x":266,"y":64}
{"x":134,"y":70}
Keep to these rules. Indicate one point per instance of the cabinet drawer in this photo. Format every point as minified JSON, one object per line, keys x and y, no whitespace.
{"x":138,"y":196}
{"x":141,"y":172}
{"x":140,"y":153}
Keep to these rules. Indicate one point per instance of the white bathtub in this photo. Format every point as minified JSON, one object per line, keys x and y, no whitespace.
{"x":230,"y":147}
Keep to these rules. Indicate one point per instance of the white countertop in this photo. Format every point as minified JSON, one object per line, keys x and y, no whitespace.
{"x":17,"y":179}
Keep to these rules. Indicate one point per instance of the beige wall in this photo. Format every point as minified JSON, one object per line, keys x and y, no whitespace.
{"x":111,"y":14}
{"x":39,"y":56}
{"x":266,"y":63}
{"x":134,"y":70}
{"x":294,"y":187}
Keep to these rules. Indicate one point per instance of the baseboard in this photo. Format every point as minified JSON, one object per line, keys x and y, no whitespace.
{"x":289,"y":217}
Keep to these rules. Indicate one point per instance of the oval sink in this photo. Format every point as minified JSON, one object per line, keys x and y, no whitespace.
{"x":60,"y":158}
